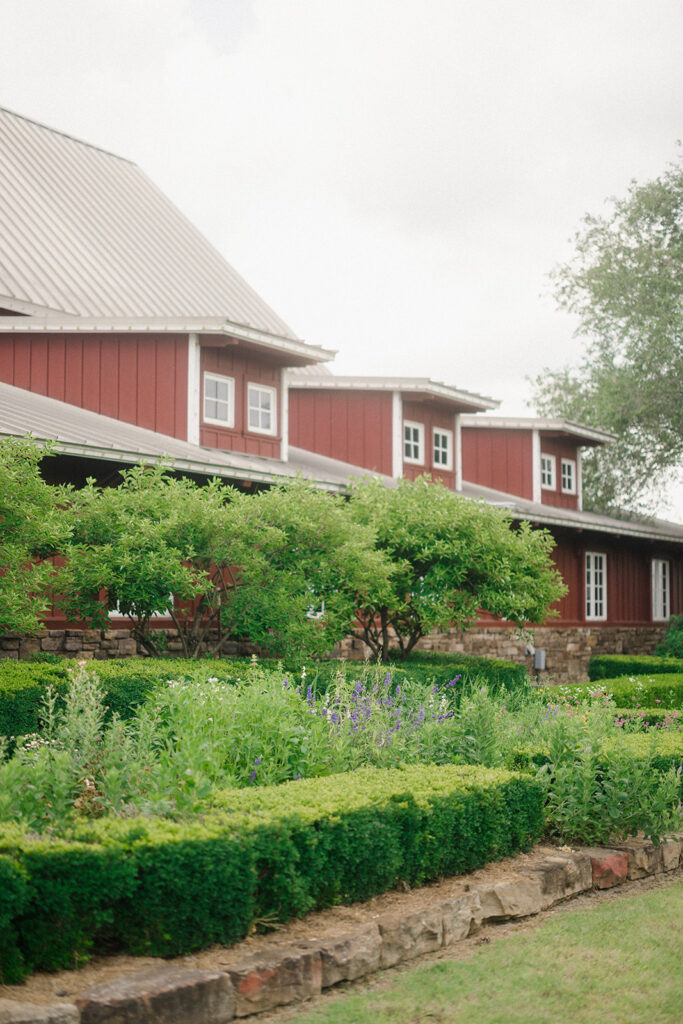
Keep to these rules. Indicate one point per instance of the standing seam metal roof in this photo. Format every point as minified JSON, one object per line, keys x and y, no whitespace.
{"x":86,"y":233}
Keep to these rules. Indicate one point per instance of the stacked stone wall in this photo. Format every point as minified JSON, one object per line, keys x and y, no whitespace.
{"x":568,"y":649}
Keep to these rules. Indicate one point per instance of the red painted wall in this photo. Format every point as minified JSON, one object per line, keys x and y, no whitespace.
{"x":431,"y":415}
{"x":561,"y":448}
{"x":629,"y":579}
{"x":134,"y":378}
{"x":348,"y":425}
{"x":244,"y":367}
{"x":501,"y":459}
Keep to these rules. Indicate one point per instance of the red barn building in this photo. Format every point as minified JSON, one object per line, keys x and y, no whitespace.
{"x":125,"y":336}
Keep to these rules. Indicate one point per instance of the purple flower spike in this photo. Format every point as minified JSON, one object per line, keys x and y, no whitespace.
{"x":258,"y":760}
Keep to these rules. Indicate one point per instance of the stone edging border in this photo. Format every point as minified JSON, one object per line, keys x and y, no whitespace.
{"x":295,"y":974}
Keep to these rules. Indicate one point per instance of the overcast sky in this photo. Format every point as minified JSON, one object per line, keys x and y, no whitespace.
{"x":395,"y":178}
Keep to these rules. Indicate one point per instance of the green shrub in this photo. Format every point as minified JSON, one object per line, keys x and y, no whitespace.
{"x":610,"y":666}
{"x":421,"y":667}
{"x":127,"y":681}
{"x":672,"y":646}
{"x":269,"y":853}
{"x":665,"y":690}
{"x":644,"y":718}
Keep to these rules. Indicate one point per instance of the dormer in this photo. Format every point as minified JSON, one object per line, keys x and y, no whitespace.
{"x":534,"y":458}
{"x":398,"y":426}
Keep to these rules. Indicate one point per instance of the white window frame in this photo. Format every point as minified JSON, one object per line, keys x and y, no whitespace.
{"x":115,"y":613}
{"x":262,"y":389}
{"x":595,"y":604}
{"x":661,"y":589}
{"x":548,"y":474}
{"x":448,"y":435}
{"x":420,"y":428}
{"x":568,"y":471}
{"x":230,"y":402}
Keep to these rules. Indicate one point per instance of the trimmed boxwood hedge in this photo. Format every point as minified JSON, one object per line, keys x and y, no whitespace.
{"x":127,"y":681}
{"x":610,"y":666}
{"x":666,"y":748}
{"x":423,"y":667}
{"x":271,"y":853}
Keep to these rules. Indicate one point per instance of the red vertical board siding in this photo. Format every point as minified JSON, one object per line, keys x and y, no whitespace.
{"x":432,"y":416}
{"x":124,"y":376}
{"x":352,"y":426}
{"x":501,"y":459}
{"x":245,"y":367}
{"x":561,"y":448}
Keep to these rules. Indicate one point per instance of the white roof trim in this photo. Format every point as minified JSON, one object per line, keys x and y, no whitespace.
{"x":591,"y":434}
{"x":414,"y":385}
{"x":161,"y":325}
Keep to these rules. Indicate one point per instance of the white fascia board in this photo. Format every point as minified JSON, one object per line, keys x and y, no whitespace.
{"x":576,"y":430}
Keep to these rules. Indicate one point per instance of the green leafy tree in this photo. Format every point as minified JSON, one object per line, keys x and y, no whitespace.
{"x":221,"y":564}
{"x":625,"y":285}
{"x":32,"y":529}
{"x":451,"y":557}
{"x":309,"y":563}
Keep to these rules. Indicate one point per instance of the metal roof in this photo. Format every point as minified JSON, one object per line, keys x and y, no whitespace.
{"x":85,"y":233}
{"x":551,"y":515}
{"x":406,"y":385}
{"x":589,"y":435}
{"x":80,"y":432}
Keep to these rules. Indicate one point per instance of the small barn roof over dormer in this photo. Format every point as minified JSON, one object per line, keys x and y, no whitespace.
{"x":85,"y":233}
{"x":418,"y":387}
{"x":585,"y":436}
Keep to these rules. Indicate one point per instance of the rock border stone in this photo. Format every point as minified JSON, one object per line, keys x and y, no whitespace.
{"x":164,"y":995}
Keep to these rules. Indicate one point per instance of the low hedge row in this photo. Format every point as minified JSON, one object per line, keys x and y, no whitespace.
{"x":610,"y":666}
{"x":128,"y":681}
{"x":665,"y":690}
{"x":267,"y":854}
{"x":423,"y":667}
{"x":665,"y":748}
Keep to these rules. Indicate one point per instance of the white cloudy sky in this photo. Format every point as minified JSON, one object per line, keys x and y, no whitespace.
{"x":395,"y":178}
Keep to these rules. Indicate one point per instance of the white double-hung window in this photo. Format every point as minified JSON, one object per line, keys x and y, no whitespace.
{"x":262,"y":409}
{"x":661,"y":589}
{"x":596,"y":585}
{"x":568,"y":476}
{"x":548,"y":472}
{"x":219,"y":400}
{"x":413,"y":442}
{"x":443,"y":448}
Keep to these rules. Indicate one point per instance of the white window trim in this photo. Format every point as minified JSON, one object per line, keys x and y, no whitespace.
{"x":552,"y":462}
{"x":661,"y":594}
{"x":448,"y":464}
{"x":271,"y":431}
{"x":114,"y":613}
{"x":571,"y":463}
{"x":420,"y":427}
{"x":230,"y":381}
{"x":589,"y":587}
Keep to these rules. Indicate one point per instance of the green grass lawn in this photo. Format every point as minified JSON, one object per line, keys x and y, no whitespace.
{"x":620,"y":962}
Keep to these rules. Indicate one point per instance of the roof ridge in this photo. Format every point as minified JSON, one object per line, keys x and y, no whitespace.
{"x":66,"y":135}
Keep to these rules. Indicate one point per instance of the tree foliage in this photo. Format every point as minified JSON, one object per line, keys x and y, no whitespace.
{"x":222,"y":564}
{"x":32,"y":528}
{"x":450,"y":558}
{"x":625,"y":285}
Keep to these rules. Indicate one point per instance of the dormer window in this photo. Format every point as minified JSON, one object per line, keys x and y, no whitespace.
{"x":548,"y":472}
{"x":262,"y":402}
{"x":443,"y":448}
{"x":219,"y":400}
{"x":413,"y":442}
{"x":568,"y":476}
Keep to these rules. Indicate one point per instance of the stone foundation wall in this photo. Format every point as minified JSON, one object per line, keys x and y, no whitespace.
{"x":568,"y":649}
